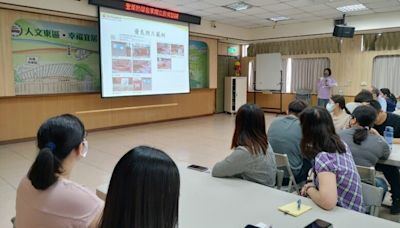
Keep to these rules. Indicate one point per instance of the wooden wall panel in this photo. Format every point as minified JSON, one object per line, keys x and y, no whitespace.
{"x":352,"y":67}
{"x":21,"y":116}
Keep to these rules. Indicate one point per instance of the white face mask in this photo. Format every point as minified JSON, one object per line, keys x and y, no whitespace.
{"x":85,"y":149}
{"x":330,"y":107}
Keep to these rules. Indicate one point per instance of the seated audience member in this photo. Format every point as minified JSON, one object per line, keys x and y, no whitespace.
{"x":339,"y":112}
{"x":252,"y":159}
{"x":385,"y":119}
{"x":46,"y":197}
{"x":368,"y":147}
{"x":363,"y":97}
{"x":336,"y":180}
{"x":284,"y":136}
{"x":143,"y":191}
{"x":390,"y":99}
{"x":379,"y":97}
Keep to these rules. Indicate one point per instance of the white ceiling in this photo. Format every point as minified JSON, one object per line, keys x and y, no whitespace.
{"x":298,"y":10}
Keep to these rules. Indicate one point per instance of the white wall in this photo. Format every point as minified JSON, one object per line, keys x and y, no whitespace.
{"x":69,"y":6}
{"x":83,"y":8}
{"x":362,"y":22}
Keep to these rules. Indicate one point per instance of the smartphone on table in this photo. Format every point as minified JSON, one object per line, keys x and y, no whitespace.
{"x":319,"y":224}
{"x":198,"y":168}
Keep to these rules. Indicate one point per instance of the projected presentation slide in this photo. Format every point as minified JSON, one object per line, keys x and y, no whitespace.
{"x":142,"y":55}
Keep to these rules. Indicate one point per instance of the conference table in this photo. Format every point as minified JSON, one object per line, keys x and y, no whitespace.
{"x":394,"y":158}
{"x":208,"y":202}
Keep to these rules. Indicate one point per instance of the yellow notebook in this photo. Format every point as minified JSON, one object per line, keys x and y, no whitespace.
{"x":293,"y":210}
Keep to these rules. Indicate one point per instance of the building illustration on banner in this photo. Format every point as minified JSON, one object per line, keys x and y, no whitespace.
{"x":54,"y":58}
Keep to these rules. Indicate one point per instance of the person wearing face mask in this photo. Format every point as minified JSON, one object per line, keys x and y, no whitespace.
{"x":340,"y":115}
{"x":368,"y":147}
{"x":45,"y":196}
{"x":379,"y":97}
{"x":324,"y":86}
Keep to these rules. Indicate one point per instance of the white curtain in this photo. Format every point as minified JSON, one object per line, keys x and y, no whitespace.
{"x":386,"y":73}
{"x":284,"y":70}
{"x":305,"y":73}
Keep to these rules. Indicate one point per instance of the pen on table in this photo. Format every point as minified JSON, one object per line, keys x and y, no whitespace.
{"x":298,"y":204}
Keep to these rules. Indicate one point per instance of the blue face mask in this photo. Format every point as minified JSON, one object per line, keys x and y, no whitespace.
{"x":330,"y":107}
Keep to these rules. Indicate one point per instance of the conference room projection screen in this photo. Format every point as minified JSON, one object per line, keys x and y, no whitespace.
{"x":142,"y":55}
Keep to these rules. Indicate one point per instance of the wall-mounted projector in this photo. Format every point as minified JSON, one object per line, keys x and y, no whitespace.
{"x":343,"y":31}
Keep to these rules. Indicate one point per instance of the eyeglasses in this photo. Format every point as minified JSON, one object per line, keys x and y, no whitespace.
{"x":85,"y":136}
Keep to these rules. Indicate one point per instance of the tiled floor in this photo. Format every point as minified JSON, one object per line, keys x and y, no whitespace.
{"x":201,"y":141}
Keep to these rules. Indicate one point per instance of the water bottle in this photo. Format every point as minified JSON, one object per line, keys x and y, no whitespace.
{"x":388,"y":135}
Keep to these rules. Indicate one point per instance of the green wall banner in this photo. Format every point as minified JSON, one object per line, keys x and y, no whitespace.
{"x":51,"y":58}
{"x":198,"y":64}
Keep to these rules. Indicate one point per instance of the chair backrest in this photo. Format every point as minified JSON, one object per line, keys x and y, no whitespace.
{"x":279,"y":178}
{"x":282,"y":161}
{"x":367,"y":174}
{"x":372,"y":197}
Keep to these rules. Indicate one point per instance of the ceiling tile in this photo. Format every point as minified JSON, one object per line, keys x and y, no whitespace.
{"x":254,"y":10}
{"x":280,"y":6}
{"x":389,"y":9}
{"x":262,"y":2}
{"x":299,"y":11}
{"x":200,"y":13}
{"x":336,"y":4}
{"x":313,"y":8}
{"x":326,"y":12}
{"x":382,"y":4}
{"x":300,"y":3}
{"x":219,"y":2}
{"x":200,"y":5}
{"x":218,"y":9}
{"x":289,"y":12}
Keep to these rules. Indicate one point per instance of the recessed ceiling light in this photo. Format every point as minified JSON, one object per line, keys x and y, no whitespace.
{"x":278,"y":18}
{"x":237,"y":6}
{"x":352,"y":8}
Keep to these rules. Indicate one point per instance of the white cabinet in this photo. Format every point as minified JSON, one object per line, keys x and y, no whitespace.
{"x":235,"y":93}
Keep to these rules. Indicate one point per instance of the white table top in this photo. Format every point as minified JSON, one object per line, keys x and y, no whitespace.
{"x":207,"y":202}
{"x":394,"y":158}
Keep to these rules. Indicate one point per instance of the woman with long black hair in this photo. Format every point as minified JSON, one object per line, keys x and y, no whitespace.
{"x":252,"y":158}
{"x":46,"y":197}
{"x":143,"y":191}
{"x":368,"y":147}
{"x":336,"y":180}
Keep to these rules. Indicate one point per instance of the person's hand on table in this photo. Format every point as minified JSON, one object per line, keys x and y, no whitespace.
{"x":303,"y":191}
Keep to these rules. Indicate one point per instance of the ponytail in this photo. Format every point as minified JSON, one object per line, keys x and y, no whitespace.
{"x":360,"y":135}
{"x":347,"y":110}
{"x":393,"y":98}
{"x":44,"y":170}
{"x":56,"y":138}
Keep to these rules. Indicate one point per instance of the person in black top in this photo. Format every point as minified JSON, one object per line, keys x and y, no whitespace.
{"x":390,"y":99}
{"x":385,"y":119}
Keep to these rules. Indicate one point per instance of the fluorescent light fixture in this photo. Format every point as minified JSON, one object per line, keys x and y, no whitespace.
{"x":278,"y":18}
{"x":352,"y":8}
{"x":237,"y":6}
